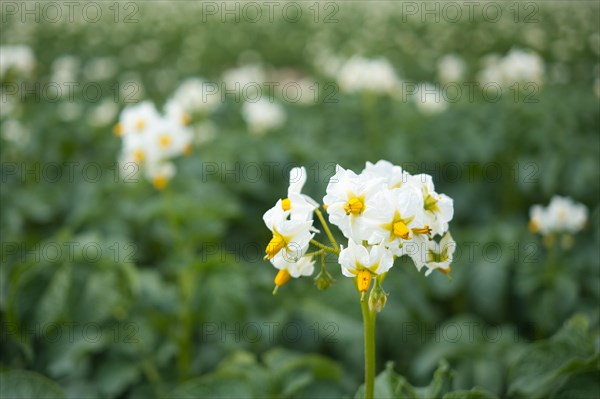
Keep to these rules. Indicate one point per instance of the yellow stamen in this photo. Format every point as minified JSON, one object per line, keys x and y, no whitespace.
{"x":276,"y":244}
{"x":354,"y":206}
{"x":401,"y":230}
{"x":422,"y":230}
{"x":118,"y":129}
{"x":446,"y":271}
{"x":363,"y":280}
{"x":286,"y":204}
{"x":282,"y":277}
{"x":164,"y":140}
{"x":325,"y":206}
{"x":533,"y":227}
{"x":140,"y":125}
{"x":138,"y":156}
{"x":160,"y":182}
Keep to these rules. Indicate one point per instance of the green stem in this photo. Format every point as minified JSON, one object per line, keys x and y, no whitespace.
{"x":327,"y":231}
{"x":324,"y":247}
{"x":369,"y":325}
{"x":315,"y":253}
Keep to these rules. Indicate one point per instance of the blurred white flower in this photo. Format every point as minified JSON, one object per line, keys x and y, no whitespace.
{"x":100,"y":68}
{"x":159,"y":173}
{"x":194,"y":95}
{"x":518,"y":66}
{"x":451,"y":68}
{"x":263,"y":115}
{"x":246,"y":79}
{"x":429,"y":99}
{"x":104,"y":113}
{"x":17,"y":57}
{"x":65,"y":69}
{"x":14,"y":131}
{"x":363,"y":74}
{"x":562,"y":215}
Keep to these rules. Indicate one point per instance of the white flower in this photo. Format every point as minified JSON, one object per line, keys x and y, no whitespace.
{"x":563,"y":215}
{"x":392,"y":175}
{"x":429,"y":99}
{"x":356,"y":258}
{"x":65,"y":69}
{"x":135,"y":119}
{"x":193,"y":96}
{"x":246,"y":79}
{"x":167,"y":138}
{"x":305,"y":266}
{"x":518,"y":66}
{"x":290,"y":237}
{"x":347,"y":198}
{"x":159,"y":173}
{"x":263,"y":115}
{"x":392,"y":216}
{"x":451,"y":68}
{"x":438,"y":208}
{"x":296,"y":206}
{"x":439,"y":255}
{"x":17,"y":57}
{"x":522,"y":66}
{"x":362,"y":74}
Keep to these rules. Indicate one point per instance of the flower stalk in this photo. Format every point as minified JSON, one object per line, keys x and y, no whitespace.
{"x":369,"y":342}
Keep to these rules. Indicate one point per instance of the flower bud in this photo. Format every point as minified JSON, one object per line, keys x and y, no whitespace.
{"x":377,"y":299}
{"x":323,"y":280}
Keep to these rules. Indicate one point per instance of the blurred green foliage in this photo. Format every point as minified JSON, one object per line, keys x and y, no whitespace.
{"x":172,"y":271}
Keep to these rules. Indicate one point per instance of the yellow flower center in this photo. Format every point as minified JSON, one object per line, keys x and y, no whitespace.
{"x":140,"y":125}
{"x":363,"y":280}
{"x":282,"y":277}
{"x":160,"y":182}
{"x":354,"y":206}
{"x":286,"y":204}
{"x":138,"y":156}
{"x":276,"y":244}
{"x":118,"y":129}
{"x":401,"y":230}
{"x":164,"y":140}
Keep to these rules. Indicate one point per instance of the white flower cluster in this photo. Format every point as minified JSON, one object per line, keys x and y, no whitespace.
{"x":384,"y":212}
{"x":518,"y":66}
{"x":18,"y":58}
{"x":151,"y":140}
{"x":562,"y":215}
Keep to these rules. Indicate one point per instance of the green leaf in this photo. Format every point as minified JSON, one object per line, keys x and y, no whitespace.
{"x":548,"y":365}
{"x":389,"y":384}
{"x":21,"y":384}
{"x":54,"y":300}
{"x":475,"y":393}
